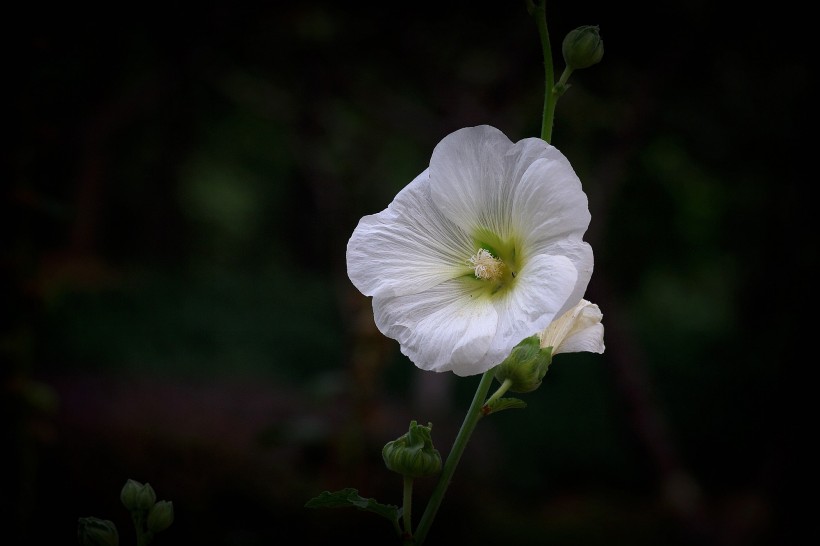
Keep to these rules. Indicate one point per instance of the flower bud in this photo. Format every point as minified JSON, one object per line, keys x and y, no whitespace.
{"x":526,"y":365}
{"x":97,"y":532}
{"x":137,"y":496}
{"x":412,"y":454}
{"x":161,"y":516}
{"x":578,"y":330}
{"x":583,"y":47}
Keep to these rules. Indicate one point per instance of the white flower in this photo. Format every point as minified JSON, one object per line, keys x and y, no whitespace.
{"x":577,"y":330}
{"x":481,"y":250}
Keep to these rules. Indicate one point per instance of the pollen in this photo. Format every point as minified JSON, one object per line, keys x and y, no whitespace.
{"x":486,"y":266}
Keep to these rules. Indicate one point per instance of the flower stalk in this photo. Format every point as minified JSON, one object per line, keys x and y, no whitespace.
{"x":407,"y":506}
{"x":478,"y":266}
{"x":467,"y":427}
{"x":539,"y":11}
{"x":505,"y":386}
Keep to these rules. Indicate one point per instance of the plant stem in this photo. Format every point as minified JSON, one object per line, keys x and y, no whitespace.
{"x":144,"y":536}
{"x":540,"y":14}
{"x":407,"y":506}
{"x":505,"y":386}
{"x":562,"y":82}
{"x":467,"y":427}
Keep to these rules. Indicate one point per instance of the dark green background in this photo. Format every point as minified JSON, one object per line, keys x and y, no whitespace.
{"x":182,"y":182}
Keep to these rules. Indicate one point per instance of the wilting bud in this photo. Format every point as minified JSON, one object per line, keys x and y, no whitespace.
{"x":412,"y":454}
{"x":161,"y":516}
{"x":137,"y":496}
{"x":526,"y":365}
{"x":97,"y":532}
{"x":583,"y":47}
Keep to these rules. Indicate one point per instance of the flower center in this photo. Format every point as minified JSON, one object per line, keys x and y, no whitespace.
{"x":487,"y":266}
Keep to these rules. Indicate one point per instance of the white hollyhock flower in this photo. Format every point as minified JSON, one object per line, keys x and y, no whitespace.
{"x":577,"y":330}
{"x":481,"y":250}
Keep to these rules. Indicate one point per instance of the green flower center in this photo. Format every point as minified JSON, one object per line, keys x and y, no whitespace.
{"x":495,"y":263}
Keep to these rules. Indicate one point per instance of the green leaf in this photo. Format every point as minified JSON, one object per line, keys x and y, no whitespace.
{"x":350,"y":497}
{"x":505,"y":403}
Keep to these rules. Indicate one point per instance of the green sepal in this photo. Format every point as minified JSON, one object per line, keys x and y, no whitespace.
{"x":412,"y":454}
{"x":350,"y":497}
{"x":526,"y":366}
{"x":500,"y":404}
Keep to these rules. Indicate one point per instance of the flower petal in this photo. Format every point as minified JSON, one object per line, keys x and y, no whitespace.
{"x":408,"y":247}
{"x":467,"y":177}
{"x":580,"y":254}
{"x":549,"y":204}
{"x":444,"y":328}
{"x":541,"y":291}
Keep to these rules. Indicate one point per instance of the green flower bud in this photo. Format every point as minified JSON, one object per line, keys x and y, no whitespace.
{"x":137,"y":496}
{"x":413,"y":454}
{"x":97,"y":532}
{"x":526,"y":365}
{"x":583,"y":47}
{"x":161,"y":516}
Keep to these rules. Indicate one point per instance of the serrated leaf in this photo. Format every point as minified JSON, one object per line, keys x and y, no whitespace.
{"x":505,"y":403}
{"x":350,"y":497}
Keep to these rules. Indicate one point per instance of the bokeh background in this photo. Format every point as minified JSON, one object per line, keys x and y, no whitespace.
{"x":181,"y":183}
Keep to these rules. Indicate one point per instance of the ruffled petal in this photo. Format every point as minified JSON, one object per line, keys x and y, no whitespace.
{"x":541,"y":289}
{"x":551,"y":211}
{"x":445,"y":328}
{"x":524,"y":153}
{"x":408,"y":247}
{"x":580,"y":254}
{"x":467,"y":177}
{"x":549,"y":204}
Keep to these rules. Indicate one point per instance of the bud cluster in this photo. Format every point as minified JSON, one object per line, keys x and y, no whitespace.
{"x":141,"y":500}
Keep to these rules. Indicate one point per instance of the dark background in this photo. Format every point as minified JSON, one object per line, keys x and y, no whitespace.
{"x":181,"y":185}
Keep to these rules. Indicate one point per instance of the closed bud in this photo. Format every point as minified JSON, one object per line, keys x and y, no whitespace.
{"x":412,"y":454}
{"x":137,"y":496}
{"x":526,"y":365}
{"x":161,"y":516}
{"x":583,"y":47}
{"x":97,"y":532}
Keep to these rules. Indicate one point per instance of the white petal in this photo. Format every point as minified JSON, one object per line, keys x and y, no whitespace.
{"x":549,"y":204}
{"x":542,"y":288}
{"x":590,"y":340}
{"x":467,"y":177}
{"x":551,"y":211}
{"x":578,"y":330}
{"x":580,"y":254}
{"x":444,"y":328}
{"x":408,"y":247}
{"x":523,"y":153}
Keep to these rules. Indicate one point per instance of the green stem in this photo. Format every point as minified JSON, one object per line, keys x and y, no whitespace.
{"x":407,"y":506}
{"x":144,"y":536}
{"x":505,"y":386}
{"x":467,"y":427}
{"x":540,"y":13}
{"x":562,"y":83}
